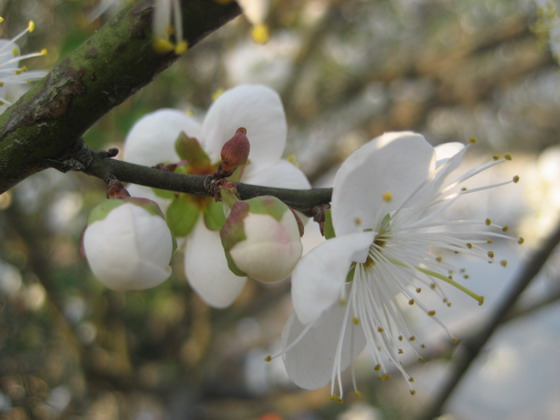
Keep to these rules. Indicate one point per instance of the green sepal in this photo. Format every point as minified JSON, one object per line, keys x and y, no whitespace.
{"x":214,"y":216}
{"x":165,"y":194}
{"x":189,"y":149}
{"x":267,"y":204}
{"x":328,"y":228}
{"x":233,"y":230}
{"x":101,"y":211}
{"x":233,"y":268}
{"x":182,"y":215}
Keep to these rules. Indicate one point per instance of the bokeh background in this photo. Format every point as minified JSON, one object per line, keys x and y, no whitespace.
{"x":347,"y":70}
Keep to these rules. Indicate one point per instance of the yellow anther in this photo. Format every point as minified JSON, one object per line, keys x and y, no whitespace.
{"x":355,"y":320}
{"x":488,"y":222}
{"x":31,"y":26}
{"x":505,"y":228}
{"x":432,"y":286}
{"x":507,"y":156}
{"x":422,"y":346}
{"x":418,"y":290}
{"x":1,"y":19}
{"x":357,"y":221}
{"x":490,"y":254}
{"x":380,"y":329}
{"x":489,"y":241}
{"x":293,"y":160}
{"x":384,"y":377}
{"x":181,"y":47}
{"x":411,"y":302}
{"x":377,"y":367}
{"x":387,"y":196}
{"x":520,"y":240}
{"x":260,"y":34}
{"x":431,"y":313}
{"x":454,"y":340}
{"x":162,"y":45}
{"x":15,"y":51}
{"x":515,"y":179}
{"x":420,"y":359}
{"x":410,"y":379}
{"x":473,"y":140}
{"x":400,"y":337}
{"x":217,"y":93}
{"x":464,"y":189}
{"x":466,"y":276}
{"x":411,"y":338}
{"x":412,"y":392}
{"x":503,"y":263}
{"x":495,"y":157}
{"x":358,"y":394}
{"x":44,"y":51}
{"x":400,"y":351}
{"x":439,"y":259}
{"x":268,"y":359}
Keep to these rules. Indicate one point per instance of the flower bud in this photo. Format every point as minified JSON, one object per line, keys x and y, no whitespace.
{"x":261,"y":238}
{"x":235,"y":151}
{"x":128,"y":244}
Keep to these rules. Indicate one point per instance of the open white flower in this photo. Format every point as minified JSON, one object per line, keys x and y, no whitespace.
{"x":258,"y":109}
{"x":128,"y":244}
{"x":388,"y":207}
{"x":14,"y":79}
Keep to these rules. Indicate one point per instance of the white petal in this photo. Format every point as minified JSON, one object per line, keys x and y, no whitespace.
{"x":207,"y":270}
{"x":446,"y":151}
{"x":309,"y":363}
{"x":395,"y":163}
{"x":281,"y":174}
{"x":258,"y":109}
{"x":320,"y":275}
{"x":152,"y":139}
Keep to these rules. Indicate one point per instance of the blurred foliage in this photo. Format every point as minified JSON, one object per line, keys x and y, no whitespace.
{"x":347,"y":71}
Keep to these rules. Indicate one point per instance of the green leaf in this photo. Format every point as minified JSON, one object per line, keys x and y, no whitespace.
{"x":182,"y":215}
{"x":328,"y":228}
{"x":166,"y":194}
{"x":214,"y":216}
{"x":189,"y":149}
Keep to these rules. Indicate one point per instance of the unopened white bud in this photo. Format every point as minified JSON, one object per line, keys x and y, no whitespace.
{"x":128,"y":244}
{"x":261,"y":238}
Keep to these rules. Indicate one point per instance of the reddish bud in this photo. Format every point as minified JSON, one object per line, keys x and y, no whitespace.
{"x":235,"y":152}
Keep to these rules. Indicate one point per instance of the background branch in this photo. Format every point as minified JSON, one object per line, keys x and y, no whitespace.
{"x":111,"y":65}
{"x":471,"y":347}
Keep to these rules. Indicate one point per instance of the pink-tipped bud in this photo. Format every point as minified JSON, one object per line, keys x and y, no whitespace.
{"x":235,"y":151}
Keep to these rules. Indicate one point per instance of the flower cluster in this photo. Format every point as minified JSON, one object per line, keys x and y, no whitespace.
{"x":14,"y":78}
{"x":389,"y":231}
{"x":204,"y":148}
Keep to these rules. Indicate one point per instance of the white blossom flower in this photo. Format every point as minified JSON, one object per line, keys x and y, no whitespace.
{"x":128,"y":244}
{"x":258,"y":109}
{"x":388,"y":205}
{"x":14,"y":79}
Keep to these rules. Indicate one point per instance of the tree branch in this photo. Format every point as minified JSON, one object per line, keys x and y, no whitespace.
{"x":102,"y":166}
{"x":111,"y":65}
{"x":472,"y":346}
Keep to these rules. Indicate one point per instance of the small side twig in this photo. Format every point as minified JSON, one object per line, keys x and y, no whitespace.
{"x":471,"y":347}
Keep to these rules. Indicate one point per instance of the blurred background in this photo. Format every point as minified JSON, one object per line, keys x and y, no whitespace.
{"x":346,"y":71}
